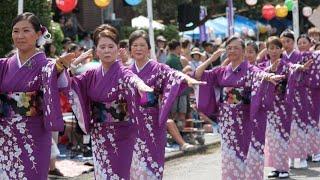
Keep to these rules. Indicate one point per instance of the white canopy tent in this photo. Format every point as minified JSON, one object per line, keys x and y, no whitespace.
{"x":143,"y":22}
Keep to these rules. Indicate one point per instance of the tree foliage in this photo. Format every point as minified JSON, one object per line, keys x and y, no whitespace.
{"x":9,"y":10}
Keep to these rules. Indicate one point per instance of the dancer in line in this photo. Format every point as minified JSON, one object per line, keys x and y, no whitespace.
{"x":105,"y":102}
{"x":243,"y":86}
{"x":29,"y":103}
{"x":149,"y":149}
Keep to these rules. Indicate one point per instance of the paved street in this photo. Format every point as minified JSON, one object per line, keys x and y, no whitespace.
{"x":206,"y":166}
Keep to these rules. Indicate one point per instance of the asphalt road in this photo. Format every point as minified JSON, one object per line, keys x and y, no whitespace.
{"x":206,"y":166}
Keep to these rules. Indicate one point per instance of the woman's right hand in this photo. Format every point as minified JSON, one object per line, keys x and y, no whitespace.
{"x":83,"y":57}
{"x":65,"y":60}
{"x":215,"y":56}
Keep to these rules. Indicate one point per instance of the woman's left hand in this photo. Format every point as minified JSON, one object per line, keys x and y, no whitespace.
{"x":66,"y":59}
{"x":274,"y":79}
{"x":191,"y":82}
{"x":307,"y":65}
{"x":142,"y":87}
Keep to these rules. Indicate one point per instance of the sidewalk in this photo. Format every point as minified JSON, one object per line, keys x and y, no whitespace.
{"x":75,"y":168}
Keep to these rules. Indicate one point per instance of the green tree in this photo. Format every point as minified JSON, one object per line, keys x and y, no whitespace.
{"x":8,"y":11}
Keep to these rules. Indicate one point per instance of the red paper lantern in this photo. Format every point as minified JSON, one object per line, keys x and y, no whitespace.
{"x":66,"y":5}
{"x":268,"y":12}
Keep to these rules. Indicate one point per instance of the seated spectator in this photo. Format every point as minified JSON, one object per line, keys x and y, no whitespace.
{"x":53,"y":170}
{"x":175,"y":133}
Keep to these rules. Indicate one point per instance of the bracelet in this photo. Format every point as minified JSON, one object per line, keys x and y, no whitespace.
{"x":61,"y":63}
{"x":59,"y":67}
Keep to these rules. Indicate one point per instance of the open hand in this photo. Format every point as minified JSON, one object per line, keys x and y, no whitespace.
{"x":84,"y":56}
{"x":274,"y":79}
{"x":66,"y":59}
{"x":191,"y":82}
{"x":307,"y":65}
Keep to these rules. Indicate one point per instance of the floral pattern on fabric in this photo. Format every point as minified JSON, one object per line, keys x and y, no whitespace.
{"x":231,"y":95}
{"x":148,"y":162}
{"x":232,"y":166}
{"x":103,"y":168}
{"x":11,"y":149}
{"x":22,"y":103}
{"x":277,"y":141}
{"x":255,"y":161}
{"x":140,"y":160}
{"x":117,"y":110}
{"x":109,"y":114}
{"x":298,"y":135}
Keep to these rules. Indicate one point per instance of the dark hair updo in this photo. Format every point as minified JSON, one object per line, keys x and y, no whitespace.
{"x":31,"y":18}
{"x":107,"y":31}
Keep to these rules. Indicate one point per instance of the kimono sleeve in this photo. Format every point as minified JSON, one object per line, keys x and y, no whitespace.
{"x":205,"y":94}
{"x":53,"y":120}
{"x":172,"y":85}
{"x":312,"y":76}
{"x":80,"y":102}
{"x":127,"y":87}
{"x":262,"y":91}
{"x":2,"y":68}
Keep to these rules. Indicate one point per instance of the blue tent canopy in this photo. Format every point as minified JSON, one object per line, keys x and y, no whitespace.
{"x":218,"y":27}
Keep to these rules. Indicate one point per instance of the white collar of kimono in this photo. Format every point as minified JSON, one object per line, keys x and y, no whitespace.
{"x":140,"y":69}
{"x":288,"y":55}
{"x":19,"y":62}
{"x":234,"y":69}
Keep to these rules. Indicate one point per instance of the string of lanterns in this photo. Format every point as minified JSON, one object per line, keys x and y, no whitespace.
{"x":280,"y":11}
{"x":67,"y":6}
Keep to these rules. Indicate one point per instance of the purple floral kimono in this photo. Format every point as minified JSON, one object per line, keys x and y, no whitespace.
{"x":299,"y":98}
{"x":241,"y":99}
{"x":293,"y":58}
{"x":29,"y":110}
{"x":105,"y":106}
{"x":278,"y":122}
{"x":307,"y":84}
{"x":149,"y":148}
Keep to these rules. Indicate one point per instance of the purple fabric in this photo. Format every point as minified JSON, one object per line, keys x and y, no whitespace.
{"x":112,"y":141}
{"x":234,"y":119}
{"x":310,"y":83}
{"x":279,"y":120}
{"x":294,"y":58}
{"x":25,"y":142}
{"x":149,"y":149}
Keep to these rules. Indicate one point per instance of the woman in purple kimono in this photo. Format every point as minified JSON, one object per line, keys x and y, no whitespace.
{"x":290,"y":54}
{"x":312,"y":92}
{"x":312,"y":83}
{"x":280,"y":117}
{"x":243,"y":96}
{"x":278,"y":122}
{"x":300,"y":117}
{"x":149,"y":149}
{"x":251,"y":52}
{"x":105,"y":102}
{"x":29,"y":104}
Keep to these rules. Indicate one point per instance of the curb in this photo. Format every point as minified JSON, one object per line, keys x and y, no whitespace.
{"x":202,"y":148}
